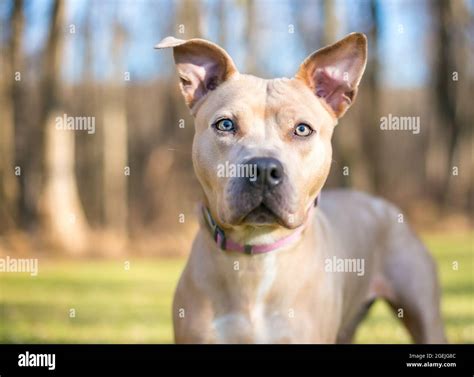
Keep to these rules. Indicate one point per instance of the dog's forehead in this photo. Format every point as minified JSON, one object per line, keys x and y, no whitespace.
{"x":265,"y":96}
{"x":260,"y":89}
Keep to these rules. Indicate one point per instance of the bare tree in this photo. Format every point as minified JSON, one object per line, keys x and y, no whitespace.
{"x":451,"y":82}
{"x":115,"y":141}
{"x":370,"y":137}
{"x":342,"y":156}
{"x":222,"y":16}
{"x":251,"y":61}
{"x":62,"y":213}
{"x":331,"y":24}
{"x":189,"y":17}
{"x":11,"y":61}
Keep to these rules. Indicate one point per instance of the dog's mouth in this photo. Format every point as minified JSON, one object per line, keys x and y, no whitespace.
{"x":261,"y":215}
{"x":261,"y":206}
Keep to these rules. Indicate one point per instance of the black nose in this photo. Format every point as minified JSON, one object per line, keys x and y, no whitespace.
{"x":268,"y":171}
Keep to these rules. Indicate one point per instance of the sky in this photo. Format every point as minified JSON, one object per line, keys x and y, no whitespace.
{"x":403,"y":53}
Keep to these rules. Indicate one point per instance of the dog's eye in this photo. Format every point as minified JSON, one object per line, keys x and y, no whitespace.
{"x":225,"y":125}
{"x":303,"y":130}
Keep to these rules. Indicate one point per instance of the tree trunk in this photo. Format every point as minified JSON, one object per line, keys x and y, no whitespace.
{"x":341,"y":150}
{"x":115,"y":143}
{"x":370,"y":135}
{"x":222,"y":14}
{"x":63,"y":217}
{"x":451,"y":93}
{"x":9,"y":92}
{"x":189,"y":15}
{"x":251,"y":60}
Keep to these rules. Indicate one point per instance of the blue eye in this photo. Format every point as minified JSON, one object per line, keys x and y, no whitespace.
{"x":303,"y":130}
{"x":225,"y":125}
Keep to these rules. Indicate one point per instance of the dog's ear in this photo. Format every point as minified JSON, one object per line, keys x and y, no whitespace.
{"x":202,"y":66}
{"x":334,"y":72}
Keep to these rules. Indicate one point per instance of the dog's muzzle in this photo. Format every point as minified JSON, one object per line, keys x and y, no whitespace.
{"x":226,"y":244}
{"x":263,"y":198}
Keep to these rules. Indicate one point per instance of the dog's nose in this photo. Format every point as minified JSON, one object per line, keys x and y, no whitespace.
{"x":268,"y":171}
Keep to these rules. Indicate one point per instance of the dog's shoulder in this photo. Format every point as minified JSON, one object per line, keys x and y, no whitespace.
{"x":348,"y":203}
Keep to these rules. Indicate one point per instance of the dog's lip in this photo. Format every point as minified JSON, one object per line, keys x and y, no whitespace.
{"x":261,"y":215}
{"x":262,"y":207}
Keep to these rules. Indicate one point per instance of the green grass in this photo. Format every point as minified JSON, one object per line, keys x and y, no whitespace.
{"x":114,"y":305}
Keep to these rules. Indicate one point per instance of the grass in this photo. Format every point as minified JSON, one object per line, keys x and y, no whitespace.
{"x":115,"y":305}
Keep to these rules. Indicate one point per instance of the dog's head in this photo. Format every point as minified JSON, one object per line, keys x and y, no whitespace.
{"x":262,"y":148}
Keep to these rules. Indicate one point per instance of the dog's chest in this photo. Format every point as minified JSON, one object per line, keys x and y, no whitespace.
{"x":256,"y":312}
{"x":256,"y":326}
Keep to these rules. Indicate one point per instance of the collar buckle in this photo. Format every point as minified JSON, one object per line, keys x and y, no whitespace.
{"x":219,"y":237}
{"x":248,"y":249}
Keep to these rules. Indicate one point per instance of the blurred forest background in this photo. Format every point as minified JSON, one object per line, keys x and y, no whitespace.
{"x":82,"y":193}
{"x":119,"y":192}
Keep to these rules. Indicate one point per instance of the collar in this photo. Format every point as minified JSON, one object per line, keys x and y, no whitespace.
{"x":226,"y":244}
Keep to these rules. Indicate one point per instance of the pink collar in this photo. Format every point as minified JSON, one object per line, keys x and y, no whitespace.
{"x":227,"y":244}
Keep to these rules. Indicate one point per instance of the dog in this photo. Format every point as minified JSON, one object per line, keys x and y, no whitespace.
{"x":276,"y":261}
